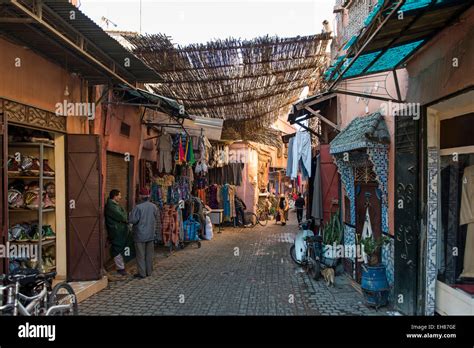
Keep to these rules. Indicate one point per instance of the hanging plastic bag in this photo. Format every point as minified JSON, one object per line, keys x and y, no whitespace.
{"x":208,"y":235}
{"x":366,"y":233}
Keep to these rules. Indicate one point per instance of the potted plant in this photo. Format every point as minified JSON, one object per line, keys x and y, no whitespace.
{"x":332,"y":237}
{"x":374,"y":276}
{"x":371,"y":247}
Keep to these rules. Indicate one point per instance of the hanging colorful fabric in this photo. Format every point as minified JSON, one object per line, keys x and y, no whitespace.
{"x":181,"y":157}
{"x":190,"y":152}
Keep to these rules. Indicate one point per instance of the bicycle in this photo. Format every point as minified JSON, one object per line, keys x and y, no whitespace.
{"x":260,"y":218}
{"x":41,"y":298}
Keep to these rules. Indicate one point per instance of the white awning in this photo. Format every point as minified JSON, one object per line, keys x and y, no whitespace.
{"x":210,"y":127}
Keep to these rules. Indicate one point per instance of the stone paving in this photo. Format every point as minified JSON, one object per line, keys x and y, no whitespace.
{"x":240,"y":272}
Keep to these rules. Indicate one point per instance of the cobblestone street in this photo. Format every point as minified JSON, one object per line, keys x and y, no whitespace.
{"x":240,"y":272}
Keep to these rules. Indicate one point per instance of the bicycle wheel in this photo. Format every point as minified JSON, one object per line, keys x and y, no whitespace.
{"x":314,"y":266}
{"x":251,"y":218}
{"x":63,"y":294}
{"x":263,"y":219}
{"x":293,"y":255}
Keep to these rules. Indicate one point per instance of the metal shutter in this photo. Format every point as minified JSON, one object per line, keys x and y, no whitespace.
{"x":117,"y":177}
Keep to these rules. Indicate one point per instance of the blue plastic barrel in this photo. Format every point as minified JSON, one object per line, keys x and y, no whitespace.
{"x":375,"y":285}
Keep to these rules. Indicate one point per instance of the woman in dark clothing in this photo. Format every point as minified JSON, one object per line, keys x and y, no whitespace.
{"x":282,"y":209}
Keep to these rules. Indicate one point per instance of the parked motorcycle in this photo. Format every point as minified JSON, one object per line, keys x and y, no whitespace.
{"x":307,"y":250}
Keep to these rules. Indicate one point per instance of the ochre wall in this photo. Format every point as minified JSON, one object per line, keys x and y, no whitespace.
{"x":37,"y":82}
{"x":107,"y":126}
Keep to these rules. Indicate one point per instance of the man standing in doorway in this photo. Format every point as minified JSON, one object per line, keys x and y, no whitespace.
{"x":143,"y":218}
{"x":299,"y":205}
{"x":117,"y":229}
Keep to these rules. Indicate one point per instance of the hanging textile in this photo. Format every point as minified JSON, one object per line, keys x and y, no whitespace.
{"x":467,"y":217}
{"x":289,"y":162}
{"x":226,"y":201}
{"x":232,"y":200}
{"x":190,"y":152}
{"x":170,"y":227}
{"x":317,"y":197}
{"x":366,"y":233}
{"x":301,"y":151}
{"x":213,"y":193}
{"x":181,"y":155}
{"x":165,"y":149}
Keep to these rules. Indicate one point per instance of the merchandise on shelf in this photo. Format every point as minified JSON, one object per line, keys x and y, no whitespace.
{"x":25,"y":135}
{"x":49,"y":198}
{"x":30,"y":166}
{"x":32,"y":196}
{"x":15,"y":199}
{"x":13,"y":166}
{"x":25,"y":232}
{"x":47,"y":171}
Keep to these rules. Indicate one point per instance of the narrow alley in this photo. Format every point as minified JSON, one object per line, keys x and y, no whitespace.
{"x":242,"y":271}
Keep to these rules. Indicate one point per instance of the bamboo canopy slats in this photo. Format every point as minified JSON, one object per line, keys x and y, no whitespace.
{"x":248,"y":83}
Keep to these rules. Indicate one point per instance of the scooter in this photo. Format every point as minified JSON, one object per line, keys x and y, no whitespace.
{"x":307,"y":250}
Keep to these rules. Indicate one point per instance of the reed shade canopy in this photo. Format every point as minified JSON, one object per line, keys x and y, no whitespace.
{"x":248,"y":83}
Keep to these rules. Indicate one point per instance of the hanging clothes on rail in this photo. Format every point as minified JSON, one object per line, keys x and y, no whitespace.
{"x":212,"y":193}
{"x":226,"y":201}
{"x":190,"y":152}
{"x":301,"y":152}
{"x":289,"y":163}
{"x":165,"y":148}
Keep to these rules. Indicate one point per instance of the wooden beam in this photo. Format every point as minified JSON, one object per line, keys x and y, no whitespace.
{"x":69,"y":42}
{"x":16,"y":20}
{"x":324,"y":119}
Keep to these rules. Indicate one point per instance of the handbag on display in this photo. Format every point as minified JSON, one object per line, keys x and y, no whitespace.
{"x":15,"y":199}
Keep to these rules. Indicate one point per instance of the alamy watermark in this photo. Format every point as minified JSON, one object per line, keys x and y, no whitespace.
{"x":401,"y":109}
{"x":19,"y":251}
{"x":340,"y":251}
{"x":66,"y":108}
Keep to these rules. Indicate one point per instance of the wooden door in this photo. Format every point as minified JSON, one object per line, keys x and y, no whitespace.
{"x":84,"y":221}
{"x":4,"y":187}
{"x":367,"y":196}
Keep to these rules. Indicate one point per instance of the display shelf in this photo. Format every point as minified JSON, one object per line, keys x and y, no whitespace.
{"x":44,"y":242}
{"x":24,"y":210}
{"x":42,"y":151}
{"x":11,"y":177}
{"x":24,"y":144}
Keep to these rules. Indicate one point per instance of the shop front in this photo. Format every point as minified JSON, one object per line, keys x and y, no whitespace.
{"x":52,"y":183}
{"x":361,"y":154}
{"x":450,"y":172}
{"x":35,"y":180}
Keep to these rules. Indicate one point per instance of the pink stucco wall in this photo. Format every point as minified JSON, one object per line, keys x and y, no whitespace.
{"x":248,"y":190}
{"x":349,"y":108}
{"x":436,"y":59}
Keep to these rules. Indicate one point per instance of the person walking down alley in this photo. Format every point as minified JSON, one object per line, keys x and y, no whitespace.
{"x":299,"y":205}
{"x":143,"y":218}
{"x":239,"y":209}
{"x":117,"y":229}
{"x":282,"y":209}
